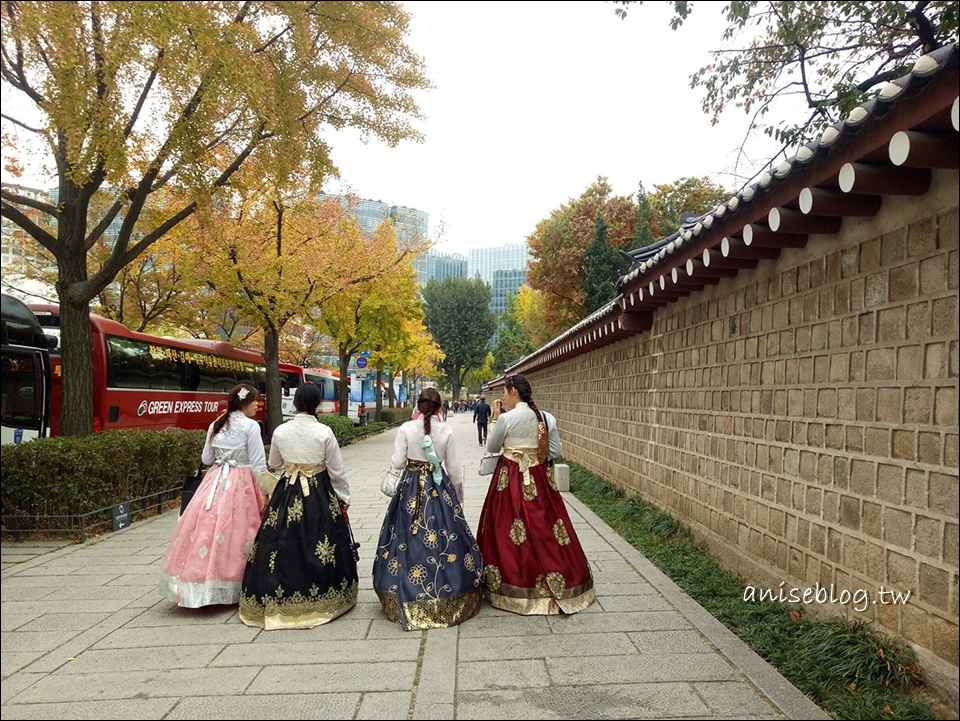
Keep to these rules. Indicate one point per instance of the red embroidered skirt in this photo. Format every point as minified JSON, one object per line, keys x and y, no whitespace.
{"x":533,"y":561}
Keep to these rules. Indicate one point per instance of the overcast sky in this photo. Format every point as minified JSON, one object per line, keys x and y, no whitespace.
{"x":533,"y":101}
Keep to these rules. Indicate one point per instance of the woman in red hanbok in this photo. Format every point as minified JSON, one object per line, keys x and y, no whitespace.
{"x":533,"y":561}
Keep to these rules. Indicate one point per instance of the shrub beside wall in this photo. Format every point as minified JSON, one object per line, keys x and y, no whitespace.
{"x":59,"y":476}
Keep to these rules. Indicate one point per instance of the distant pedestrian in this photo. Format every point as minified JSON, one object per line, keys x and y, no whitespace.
{"x":481,"y":415}
{"x":302,"y":571}
{"x":427,"y":571}
{"x":534,"y":564}
{"x":204,"y":562}
{"x":446,"y":409}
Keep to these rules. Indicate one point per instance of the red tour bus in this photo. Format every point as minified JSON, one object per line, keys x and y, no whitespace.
{"x":144,"y":381}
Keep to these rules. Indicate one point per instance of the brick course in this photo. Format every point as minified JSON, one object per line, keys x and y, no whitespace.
{"x":802,"y":416}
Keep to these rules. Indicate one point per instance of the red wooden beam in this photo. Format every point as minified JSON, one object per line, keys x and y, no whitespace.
{"x":784,"y":220}
{"x":911,"y":149}
{"x":820,"y":201}
{"x":884,"y":179}
{"x":760,"y":237}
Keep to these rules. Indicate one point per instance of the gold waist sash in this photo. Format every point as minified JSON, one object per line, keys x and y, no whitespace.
{"x":303,"y":472}
{"x":526,"y":458}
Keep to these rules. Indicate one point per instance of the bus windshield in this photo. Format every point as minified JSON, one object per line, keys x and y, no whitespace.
{"x":24,"y":364}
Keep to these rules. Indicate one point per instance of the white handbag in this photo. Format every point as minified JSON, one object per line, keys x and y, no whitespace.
{"x":390,"y":481}
{"x":488,"y":464}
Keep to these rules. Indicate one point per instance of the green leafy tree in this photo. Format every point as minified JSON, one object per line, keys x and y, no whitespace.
{"x":479,"y":376}
{"x":149,"y":109}
{"x":643,"y":235}
{"x":558,"y":248}
{"x":513,"y":339}
{"x":604,"y":266}
{"x":459,"y":318}
{"x":696,"y":195}
{"x":833,"y":55}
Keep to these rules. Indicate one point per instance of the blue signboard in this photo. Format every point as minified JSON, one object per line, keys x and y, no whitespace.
{"x":362,"y":362}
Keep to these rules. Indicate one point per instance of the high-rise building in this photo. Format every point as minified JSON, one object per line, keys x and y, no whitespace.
{"x":19,"y":252}
{"x":505,"y":282}
{"x":437,"y":266}
{"x":412,"y":225}
{"x":503,"y":268}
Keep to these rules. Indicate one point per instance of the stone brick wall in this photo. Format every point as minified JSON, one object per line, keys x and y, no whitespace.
{"x":802,"y":416}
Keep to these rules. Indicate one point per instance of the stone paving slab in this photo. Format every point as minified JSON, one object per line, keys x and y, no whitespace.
{"x":146,"y":638}
{"x":317,"y":652}
{"x":85,"y":635}
{"x":657,"y":700}
{"x":141,"y":709}
{"x":281,"y":705}
{"x":164,"y":658}
{"x":178,"y":683}
{"x":334,"y":677}
{"x":480,"y":675}
{"x":393,"y":705}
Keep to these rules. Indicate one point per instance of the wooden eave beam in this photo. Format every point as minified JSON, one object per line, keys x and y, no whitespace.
{"x":758,"y":236}
{"x":910,"y":149}
{"x":714,"y":259}
{"x":734,"y":248}
{"x":938,"y":95}
{"x":696,"y":269}
{"x":681,"y":277}
{"x":785,"y":220}
{"x":884,"y":179}
{"x":822,"y":201}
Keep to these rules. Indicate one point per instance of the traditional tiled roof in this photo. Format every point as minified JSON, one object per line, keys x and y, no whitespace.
{"x":887,"y":146}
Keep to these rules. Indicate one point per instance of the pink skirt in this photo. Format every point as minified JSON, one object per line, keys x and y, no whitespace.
{"x":208,"y":553}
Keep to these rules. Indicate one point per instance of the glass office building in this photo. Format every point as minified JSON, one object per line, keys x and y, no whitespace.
{"x":412,"y":225}
{"x":437,"y":266}
{"x":503,"y":268}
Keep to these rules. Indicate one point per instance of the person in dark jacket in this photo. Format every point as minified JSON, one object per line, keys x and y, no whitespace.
{"x":481,"y":414}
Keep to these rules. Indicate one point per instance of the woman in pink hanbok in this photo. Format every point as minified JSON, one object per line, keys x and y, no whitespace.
{"x":205,"y":560}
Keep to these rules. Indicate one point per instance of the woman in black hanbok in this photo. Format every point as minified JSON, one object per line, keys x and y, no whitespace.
{"x":301,"y":571}
{"x":427,"y":571}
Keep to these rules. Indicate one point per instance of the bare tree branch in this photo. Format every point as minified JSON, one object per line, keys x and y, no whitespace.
{"x":40,"y":235}
{"x":29,"y":202}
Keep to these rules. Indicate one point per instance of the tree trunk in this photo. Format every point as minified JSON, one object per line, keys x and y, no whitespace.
{"x":456,"y":382}
{"x":271,"y":354}
{"x":76,"y":357}
{"x":379,"y":395}
{"x":344,"y":381}
{"x":76,"y":336}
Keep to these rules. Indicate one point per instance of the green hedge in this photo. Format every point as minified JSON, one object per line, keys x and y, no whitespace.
{"x":58,"y":476}
{"x":342,"y":427}
{"x":392,"y":415}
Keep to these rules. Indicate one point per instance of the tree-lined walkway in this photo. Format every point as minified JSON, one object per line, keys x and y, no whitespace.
{"x":84,"y":634}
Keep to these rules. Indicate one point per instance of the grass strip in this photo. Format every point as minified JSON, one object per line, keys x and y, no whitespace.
{"x":846,"y":667}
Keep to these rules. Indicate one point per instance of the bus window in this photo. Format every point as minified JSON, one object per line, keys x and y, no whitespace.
{"x":21,"y":402}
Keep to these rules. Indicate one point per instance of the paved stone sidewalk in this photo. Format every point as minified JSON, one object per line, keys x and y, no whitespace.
{"x":85,"y":635}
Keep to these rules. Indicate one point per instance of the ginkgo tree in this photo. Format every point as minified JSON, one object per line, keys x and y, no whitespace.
{"x":131,"y":100}
{"x":368,"y":314}
{"x":278,"y":257}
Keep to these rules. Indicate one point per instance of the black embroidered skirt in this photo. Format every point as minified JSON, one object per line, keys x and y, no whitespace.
{"x":427,"y":571}
{"x":300,"y":572}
